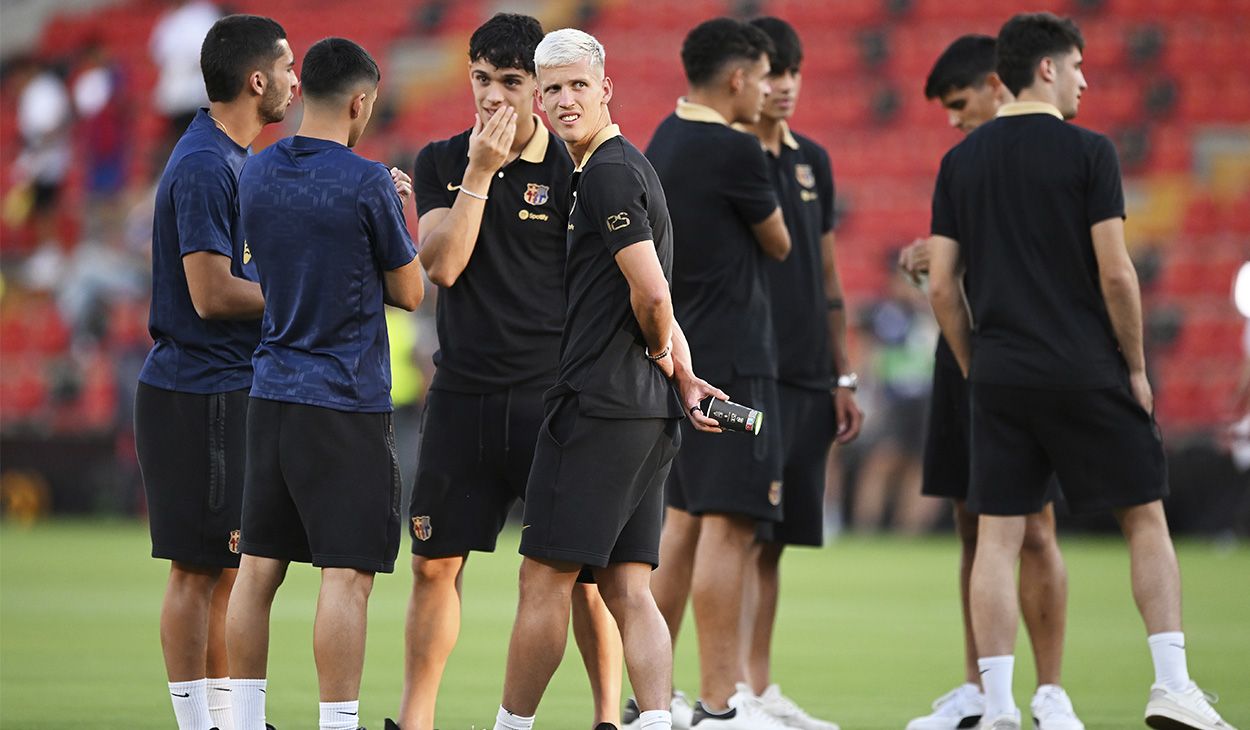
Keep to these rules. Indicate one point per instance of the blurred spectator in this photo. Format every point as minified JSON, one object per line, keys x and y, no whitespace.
{"x":887,"y":491}
{"x":175,"y":49}
{"x":101,"y":138}
{"x":44,"y":115}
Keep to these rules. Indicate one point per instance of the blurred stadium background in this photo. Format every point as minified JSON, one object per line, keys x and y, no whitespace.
{"x":93,"y":93}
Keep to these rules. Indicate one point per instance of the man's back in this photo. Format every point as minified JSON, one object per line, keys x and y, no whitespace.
{"x":1020,"y":195}
{"x":322,"y":225}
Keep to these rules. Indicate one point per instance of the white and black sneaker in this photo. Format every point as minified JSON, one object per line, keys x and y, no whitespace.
{"x":680,"y":709}
{"x":788,"y":711}
{"x":744,"y":713}
{"x":959,"y":709}
{"x":1188,"y":710}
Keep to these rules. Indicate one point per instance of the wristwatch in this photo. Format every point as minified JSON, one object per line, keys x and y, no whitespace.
{"x":850,"y":381}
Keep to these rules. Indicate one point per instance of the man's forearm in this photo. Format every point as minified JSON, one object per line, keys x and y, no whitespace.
{"x":655,"y":318}
{"x":683,"y":360}
{"x":446,"y":251}
{"x":952,"y":316}
{"x":1123,"y":299}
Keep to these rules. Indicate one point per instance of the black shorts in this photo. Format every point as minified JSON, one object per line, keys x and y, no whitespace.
{"x":809,"y":424}
{"x":1105,"y":448}
{"x":596,"y":491}
{"x":191,"y":451}
{"x":946,"y":443}
{"x":322,"y":487}
{"x":733,"y":473}
{"x":476,"y":453}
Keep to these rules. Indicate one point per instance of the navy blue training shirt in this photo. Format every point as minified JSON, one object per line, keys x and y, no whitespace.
{"x":197,"y":209}
{"x":323,"y":224}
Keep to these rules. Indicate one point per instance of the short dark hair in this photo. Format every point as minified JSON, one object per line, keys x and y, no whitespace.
{"x":335,"y":66}
{"x":964,"y":64}
{"x":236,"y":46}
{"x":507,"y":40}
{"x":787,"y":53}
{"x":714,"y":43}
{"x":1026,"y":39}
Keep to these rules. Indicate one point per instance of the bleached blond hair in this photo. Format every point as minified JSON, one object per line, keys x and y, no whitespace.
{"x":568,"y":46}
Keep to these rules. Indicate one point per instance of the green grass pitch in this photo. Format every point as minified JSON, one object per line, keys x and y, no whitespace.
{"x":868,"y":634}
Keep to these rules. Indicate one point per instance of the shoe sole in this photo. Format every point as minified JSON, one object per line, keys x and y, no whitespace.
{"x":1161,"y":720}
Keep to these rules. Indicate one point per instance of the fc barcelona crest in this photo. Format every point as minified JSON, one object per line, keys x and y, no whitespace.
{"x":234,"y":541}
{"x":536,"y":194}
{"x":421,"y":527}
{"x":803,"y":173}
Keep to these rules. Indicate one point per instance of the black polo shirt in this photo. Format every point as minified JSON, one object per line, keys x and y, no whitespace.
{"x":718,"y":186}
{"x":803,"y":180}
{"x":499,"y":325}
{"x":618,"y":202}
{"x":1020,"y":194}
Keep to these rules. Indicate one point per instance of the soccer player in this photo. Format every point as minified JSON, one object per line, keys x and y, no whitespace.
{"x":963,"y":80}
{"x":494,"y":213}
{"x":327,"y":231}
{"x":191,"y":405}
{"x":595,"y":494}
{"x":1032,"y":209}
{"x":726,"y":223}
{"x":815,"y":381}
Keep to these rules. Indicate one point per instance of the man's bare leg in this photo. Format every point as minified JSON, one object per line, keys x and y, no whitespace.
{"x":670,"y":583}
{"x":966,"y":527}
{"x":719,"y":571}
{"x":539,"y":634}
{"x":599,"y":642}
{"x":430,"y":632}
{"x":1044,"y":594}
{"x":766,"y":580}
{"x":1156,"y":574}
{"x":247,"y":636}
{"x":218,"y":665}
{"x":339,"y":632}
{"x":648,"y":651}
{"x":185,"y":620}
{"x":995,"y":610}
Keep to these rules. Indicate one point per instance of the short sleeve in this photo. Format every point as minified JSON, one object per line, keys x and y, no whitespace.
{"x":382,"y":214}
{"x":944,"y":222}
{"x":430,"y":189}
{"x":1104,"y":196}
{"x":616,"y":201}
{"x":745,"y":180}
{"x":825,"y":189}
{"x":205,"y":198}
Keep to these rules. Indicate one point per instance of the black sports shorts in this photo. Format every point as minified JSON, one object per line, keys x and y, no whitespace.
{"x":322,"y":487}
{"x":191,"y":451}
{"x":946,"y":441}
{"x":809,"y":424}
{"x":733,"y":473}
{"x":1105,"y":448}
{"x":475,"y":458}
{"x":596,"y":490}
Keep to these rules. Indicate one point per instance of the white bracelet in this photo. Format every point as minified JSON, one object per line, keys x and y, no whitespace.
{"x":472,"y":194}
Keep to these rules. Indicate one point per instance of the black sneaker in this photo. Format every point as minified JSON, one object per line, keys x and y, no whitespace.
{"x":391,"y":725}
{"x":631,"y":712}
{"x":606,"y":726}
{"x":701,"y":713}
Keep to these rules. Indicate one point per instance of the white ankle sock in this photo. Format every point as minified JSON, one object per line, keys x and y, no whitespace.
{"x":218,"y":691}
{"x":505,"y":720}
{"x":340,"y":715}
{"x":656,"y":720}
{"x":996,"y":679}
{"x":190,"y":705}
{"x":247,"y":697}
{"x":1167,"y":649}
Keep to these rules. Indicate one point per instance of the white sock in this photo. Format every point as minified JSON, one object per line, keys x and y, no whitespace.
{"x":996,"y":679}
{"x":218,"y":691}
{"x":247,"y":697}
{"x":505,"y":720}
{"x":340,"y":715}
{"x":1168,"y":652}
{"x":190,"y":705}
{"x":656,"y":720}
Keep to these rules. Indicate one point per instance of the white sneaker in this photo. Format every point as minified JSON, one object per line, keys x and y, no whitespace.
{"x":745,"y":713}
{"x":680,"y":708}
{"x":1009,"y":721}
{"x":1052,"y":710}
{"x":962,"y":707}
{"x":1168,"y":710}
{"x":785,"y":709}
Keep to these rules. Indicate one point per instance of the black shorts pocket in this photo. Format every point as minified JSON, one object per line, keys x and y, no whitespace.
{"x":216,"y":452}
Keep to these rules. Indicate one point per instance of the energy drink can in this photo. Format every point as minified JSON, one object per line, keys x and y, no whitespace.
{"x":732,"y":416}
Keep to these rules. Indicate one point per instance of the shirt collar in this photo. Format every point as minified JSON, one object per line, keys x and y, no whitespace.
{"x":605,"y":134}
{"x":692,"y":112}
{"x":787,"y":137}
{"x":1020,"y":108}
{"x":536,"y":149}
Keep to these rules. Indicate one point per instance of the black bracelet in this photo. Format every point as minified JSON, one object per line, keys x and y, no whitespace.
{"x":834,"y":304}
{"x":658,"y":356}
